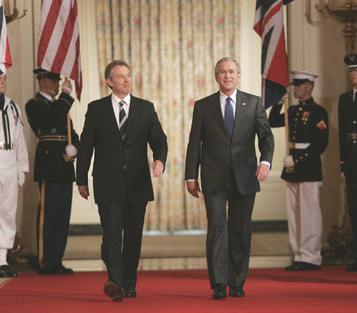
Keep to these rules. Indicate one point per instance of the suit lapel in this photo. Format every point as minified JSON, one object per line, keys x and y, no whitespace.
{"x":110,"y":113}
{"x":217,"y":111}
{"x":132,"y":113}
{"x":240,"y":106}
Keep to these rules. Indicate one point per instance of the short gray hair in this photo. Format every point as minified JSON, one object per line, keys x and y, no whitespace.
{"x":108,"y":73}
{"x":226,"y":59}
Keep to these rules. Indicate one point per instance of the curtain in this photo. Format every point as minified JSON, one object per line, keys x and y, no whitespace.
{"x":172,"y":47}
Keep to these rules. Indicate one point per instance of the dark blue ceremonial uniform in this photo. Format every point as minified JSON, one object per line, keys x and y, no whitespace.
{"x":308,"y":124}
{"x":347,"y":122}
{"x":48,"y":120}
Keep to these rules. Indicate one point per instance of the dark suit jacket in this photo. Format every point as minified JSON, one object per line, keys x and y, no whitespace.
{"x":50,"y":118}
{"x":115,"y":158}
{"x":347,"y":125}
{"x":210,"y":147}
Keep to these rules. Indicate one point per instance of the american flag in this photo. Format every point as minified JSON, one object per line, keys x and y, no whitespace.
{"x":58,"y":49}
{"x":5,"y":56}
{"x":269,"y":25}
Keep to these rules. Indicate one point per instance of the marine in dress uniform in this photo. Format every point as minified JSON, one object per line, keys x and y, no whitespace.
{"x":347,"y":122}
{"x":13,"y":164}
{"x":53,"y":170}
{"x":308,"y":138}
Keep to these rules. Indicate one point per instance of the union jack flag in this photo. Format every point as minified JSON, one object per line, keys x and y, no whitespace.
{"x":5,"y":56}
{"x":269,"y":25}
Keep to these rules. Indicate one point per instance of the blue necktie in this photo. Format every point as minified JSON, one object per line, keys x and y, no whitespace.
{"x":228,"y":117}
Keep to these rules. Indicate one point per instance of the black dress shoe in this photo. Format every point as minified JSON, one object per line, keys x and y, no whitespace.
{"x":352,"y":267}
{"x":302,"y":266}
{"x":129,"y":293}
{"x":62,"y":270}
{"x":236,"y":292}
{"x":6,"y":271}
{"x":219,"y":292}
{"x":113,"y":290}
{"x":55,"y":270}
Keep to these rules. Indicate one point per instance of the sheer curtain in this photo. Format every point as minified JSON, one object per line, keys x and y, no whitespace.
{"x":172,"y":46}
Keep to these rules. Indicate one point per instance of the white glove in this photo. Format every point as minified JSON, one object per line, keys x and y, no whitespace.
{"x":21,"y":178}
{"x":71,"y":151}
{"x":288,"y":161}
{"x":67,"y":86}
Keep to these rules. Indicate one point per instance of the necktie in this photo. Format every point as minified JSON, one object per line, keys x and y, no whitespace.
{"x":122,"y":115}
{"x":228,"y":117}
{"x":355,"y":98}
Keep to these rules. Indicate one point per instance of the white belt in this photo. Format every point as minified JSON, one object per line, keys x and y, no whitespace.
{"x":299,"y":145}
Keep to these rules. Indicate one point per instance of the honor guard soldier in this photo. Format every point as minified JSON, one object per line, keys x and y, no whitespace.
{"x":347,"y":124}
{"x":308,"y":138}
{"x":53,"y":170}
{"x":13,"y":164}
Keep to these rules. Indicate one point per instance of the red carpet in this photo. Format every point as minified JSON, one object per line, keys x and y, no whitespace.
{"x":330,"y":290}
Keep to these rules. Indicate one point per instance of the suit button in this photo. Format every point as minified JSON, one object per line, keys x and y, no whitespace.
{"x":354,"y":122}
{"x":354,"y":141}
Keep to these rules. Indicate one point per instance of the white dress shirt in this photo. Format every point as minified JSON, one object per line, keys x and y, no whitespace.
{"x":116,"y":106}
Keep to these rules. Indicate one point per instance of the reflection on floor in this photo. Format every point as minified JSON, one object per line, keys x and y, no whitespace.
{"x":177,"y":252}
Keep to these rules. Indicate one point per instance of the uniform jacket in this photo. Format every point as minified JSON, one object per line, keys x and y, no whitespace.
{"x":50,"y":118}
{"x":308,"y":123}
{"x":347,"y":122}
{"x":211,"y":149}
{"x":15,"y":158}
{"x":115,"y":158}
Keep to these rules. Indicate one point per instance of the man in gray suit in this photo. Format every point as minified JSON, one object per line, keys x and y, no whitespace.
{"x":222,"y":137}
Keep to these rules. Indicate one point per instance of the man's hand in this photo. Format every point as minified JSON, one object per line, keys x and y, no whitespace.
{"x":84,"y":191}
{"x":67,"y":86}
{"x":158,"y":168}
{"x":288,"y":161}
{"x":21,"y":178}
{"x":262,"y":172}
{"x":193,"y":187}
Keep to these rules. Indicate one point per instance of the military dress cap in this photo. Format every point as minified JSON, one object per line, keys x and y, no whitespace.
{"x":300,"y":77}
{"x":41,"y":73}
{"x":351,"y":61}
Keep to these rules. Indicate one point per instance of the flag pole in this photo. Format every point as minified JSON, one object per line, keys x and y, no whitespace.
{"x":69,"y":129}
{"x":286,"y":123}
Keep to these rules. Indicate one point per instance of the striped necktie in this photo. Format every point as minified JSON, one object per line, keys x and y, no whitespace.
{"x":122,"y":115}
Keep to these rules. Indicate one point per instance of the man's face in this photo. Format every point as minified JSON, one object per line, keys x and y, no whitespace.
{"x":300,"y":91}
{"x":120,"y":81}
{"x":353,"y":77}
{"x":49,"y":86}
{"x":227,"y":76}
{"x":2,"y":83}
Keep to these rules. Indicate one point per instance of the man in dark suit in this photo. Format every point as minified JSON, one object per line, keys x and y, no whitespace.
{"x":53,"y":170}
{"x":119,"y":127}
{"x":308,"y":138}
{"x":347,"y":124}
{"x":223,"y":132}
